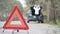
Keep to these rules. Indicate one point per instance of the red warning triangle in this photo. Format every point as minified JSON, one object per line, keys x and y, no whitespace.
{"x":23,"y":24}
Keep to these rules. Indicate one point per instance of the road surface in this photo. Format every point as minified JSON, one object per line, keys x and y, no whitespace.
{"x":34,"y":28}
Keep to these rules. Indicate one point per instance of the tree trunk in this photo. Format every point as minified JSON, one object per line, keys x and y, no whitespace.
{"x":51,"y":11}
{"x":48,"y":10}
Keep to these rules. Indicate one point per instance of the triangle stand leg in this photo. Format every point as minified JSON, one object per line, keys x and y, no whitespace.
{"x":17,"y":30}
{"x":3,"y":30}
{"x":12,"y":31}
{"x":27,"y":31}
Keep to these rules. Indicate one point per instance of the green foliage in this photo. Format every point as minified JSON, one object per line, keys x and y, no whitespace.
{"x":58,"y":22}
{"x":6,"y":6}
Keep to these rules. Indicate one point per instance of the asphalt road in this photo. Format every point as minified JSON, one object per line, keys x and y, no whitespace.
{"x":34,"y":28}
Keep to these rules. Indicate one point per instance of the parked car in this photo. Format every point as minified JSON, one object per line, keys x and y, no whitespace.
{"x":31,"y":17}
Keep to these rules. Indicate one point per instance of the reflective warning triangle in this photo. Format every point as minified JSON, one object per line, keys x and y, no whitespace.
{"x":23,"y":24}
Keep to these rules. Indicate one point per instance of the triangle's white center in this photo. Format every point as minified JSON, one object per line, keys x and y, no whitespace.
{"x":15,"y":22}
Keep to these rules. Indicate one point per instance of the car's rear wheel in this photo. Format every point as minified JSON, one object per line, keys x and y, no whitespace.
{"x":28,"y":21}
{"x":41,"y":21}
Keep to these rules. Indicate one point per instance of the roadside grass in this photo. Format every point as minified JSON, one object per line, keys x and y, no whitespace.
{"x":57,"y":21}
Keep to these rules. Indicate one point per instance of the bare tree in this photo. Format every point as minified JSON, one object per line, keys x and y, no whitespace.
{"x":51,"y":11}
{"x":48,"y":4}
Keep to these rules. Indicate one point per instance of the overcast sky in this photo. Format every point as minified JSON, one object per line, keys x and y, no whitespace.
{"x":23,"y":2}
